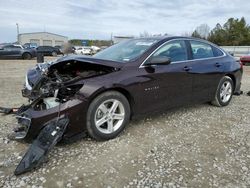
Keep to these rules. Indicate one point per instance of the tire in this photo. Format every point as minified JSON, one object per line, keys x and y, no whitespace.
{"x":27,"y":56}
{"x":224,"y":92}
{"x":103,"y":122}
{"x":54,"y":54}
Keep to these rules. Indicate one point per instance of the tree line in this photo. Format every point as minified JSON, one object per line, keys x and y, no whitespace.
{"x":79,"y":42}
{"x":235,"y":32}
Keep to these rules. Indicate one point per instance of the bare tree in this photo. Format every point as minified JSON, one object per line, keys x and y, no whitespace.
{"x":203,"y":30}
{"x":186,"y":34}
{"x":145,"y":34}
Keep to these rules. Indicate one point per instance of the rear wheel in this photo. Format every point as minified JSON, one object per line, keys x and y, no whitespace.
{"x":54,"y":54}
{"x":224,"y":92}
{"x":26,"y":56}
{"x":108,"y":115}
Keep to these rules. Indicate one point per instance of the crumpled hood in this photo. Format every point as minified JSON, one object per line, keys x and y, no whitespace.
{"x":89,"y":59}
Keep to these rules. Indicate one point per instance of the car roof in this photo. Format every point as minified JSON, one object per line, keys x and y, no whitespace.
{"x":169,"y":37}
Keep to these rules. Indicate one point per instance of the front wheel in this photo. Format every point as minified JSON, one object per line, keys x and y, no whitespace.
{"x":108,"y":115}
{"x":224,"y":92}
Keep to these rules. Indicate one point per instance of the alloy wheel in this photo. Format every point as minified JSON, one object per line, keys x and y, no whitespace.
{"x":226,"y":91}
{"x":109,"y":116}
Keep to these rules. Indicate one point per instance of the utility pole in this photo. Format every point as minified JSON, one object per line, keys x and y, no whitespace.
{"x":111,"y":39}
{"x":17,"y":29}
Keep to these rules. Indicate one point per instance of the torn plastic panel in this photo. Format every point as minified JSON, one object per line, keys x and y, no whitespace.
{"x":50,"y":135}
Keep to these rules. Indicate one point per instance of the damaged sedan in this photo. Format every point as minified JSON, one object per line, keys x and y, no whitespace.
{"x":76,"y":96}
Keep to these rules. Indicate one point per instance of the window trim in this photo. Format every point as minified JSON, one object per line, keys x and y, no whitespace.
{"x":213,"y":47}
{"x":189,"y":60}
{"x":192,"y":53}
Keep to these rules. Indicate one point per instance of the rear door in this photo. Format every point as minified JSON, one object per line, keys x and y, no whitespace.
{"x":7,"y":51}
{"x":47,"y":50}
{"x":11,"y":51}
{"x":166,"y":86}
{"x":43,"y":50}
{"x":40,"y":49}
{"x":16,"y":51}
{"x":206,"y":69}
{"x":3,"y":52}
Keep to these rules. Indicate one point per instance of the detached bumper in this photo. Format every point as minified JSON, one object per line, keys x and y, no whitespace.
{"x":31,"y":122}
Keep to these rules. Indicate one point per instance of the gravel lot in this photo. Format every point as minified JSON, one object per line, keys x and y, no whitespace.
{"x":195,"y":146}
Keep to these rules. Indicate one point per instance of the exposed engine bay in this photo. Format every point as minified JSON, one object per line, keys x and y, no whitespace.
{"x":56,"y":83}
{"x":49,"y":87}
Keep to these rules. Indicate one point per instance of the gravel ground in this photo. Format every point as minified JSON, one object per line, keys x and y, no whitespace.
{"x":195,"y":146}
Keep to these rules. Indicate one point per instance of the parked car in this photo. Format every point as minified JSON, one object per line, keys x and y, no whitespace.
{"x":60,"y":48}
{"x":95,"y":49}
{"x":16,"y":51}
{"x":48,"y":50}
{"x":245,"y":60}
{"x":30,"y":45}
{"x":82,"y":50}
{"x":98,"y":95}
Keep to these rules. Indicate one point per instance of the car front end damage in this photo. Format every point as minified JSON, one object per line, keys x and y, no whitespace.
{"x":56,"y":109}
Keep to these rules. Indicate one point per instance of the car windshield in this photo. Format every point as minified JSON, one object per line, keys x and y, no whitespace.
{"x":126,"y":51}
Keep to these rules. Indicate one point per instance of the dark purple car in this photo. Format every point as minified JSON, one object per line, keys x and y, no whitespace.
{"x":98,"y":95}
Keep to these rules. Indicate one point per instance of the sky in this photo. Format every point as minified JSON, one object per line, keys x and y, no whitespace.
{"x":97,"y":19}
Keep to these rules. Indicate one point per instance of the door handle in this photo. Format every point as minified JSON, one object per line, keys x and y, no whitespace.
{"x":218,"y":64}
{"x":186,"y":68}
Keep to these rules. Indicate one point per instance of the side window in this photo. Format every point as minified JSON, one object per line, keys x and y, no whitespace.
{"x":217,"y":52}
{"x":18,"y":47}
{"x":8,"y":46}
{"x":201,"y":50}
{"x":175,"y":50}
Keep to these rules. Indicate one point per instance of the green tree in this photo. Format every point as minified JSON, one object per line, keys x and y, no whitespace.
{"x":235,"y":32}
{"x":217,"y":35}
{"x":76,"y":42}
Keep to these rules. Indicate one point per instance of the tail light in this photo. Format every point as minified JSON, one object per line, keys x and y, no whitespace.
{"x":241,"y":64}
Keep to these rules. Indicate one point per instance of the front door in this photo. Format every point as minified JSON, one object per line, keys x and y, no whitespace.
{"x":167,"y":86}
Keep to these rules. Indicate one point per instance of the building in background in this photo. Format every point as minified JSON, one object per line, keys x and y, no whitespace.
{"x":42,"y":39}
{"x":117,"y":39}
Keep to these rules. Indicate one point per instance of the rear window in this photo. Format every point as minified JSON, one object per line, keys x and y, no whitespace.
{"x":217,"y":52}
{"x":201,"y":50}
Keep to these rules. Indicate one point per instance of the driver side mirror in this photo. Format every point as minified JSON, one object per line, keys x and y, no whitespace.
{"x":159,"y":60}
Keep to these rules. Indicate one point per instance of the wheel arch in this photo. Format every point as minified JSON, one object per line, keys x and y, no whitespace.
{"x":26,"y":53}
{"x":233,"y":79}
{"x":121,"y":90}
